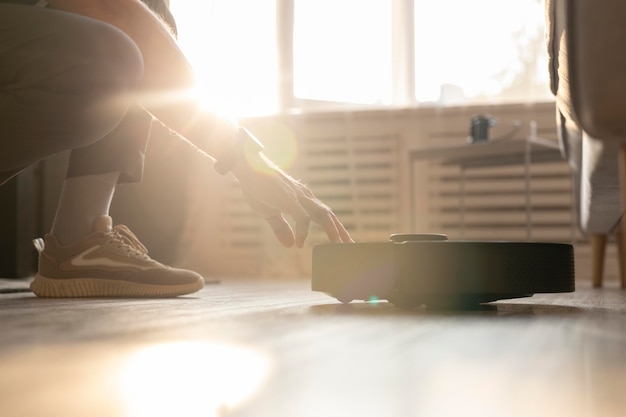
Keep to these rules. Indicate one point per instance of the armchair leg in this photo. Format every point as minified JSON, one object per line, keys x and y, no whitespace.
{"x":598,"y":245}
{"x":620,"y":237}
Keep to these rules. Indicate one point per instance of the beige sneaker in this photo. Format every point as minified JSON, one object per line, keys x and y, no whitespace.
{"x":109,"y":262}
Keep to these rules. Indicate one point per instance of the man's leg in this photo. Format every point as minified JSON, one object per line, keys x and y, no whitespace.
{"x":64,"y":82}
{"x":168,"y":76}
{"x":95,"y":170}
{"x":85,"y":255}
{"x":83,"y":200}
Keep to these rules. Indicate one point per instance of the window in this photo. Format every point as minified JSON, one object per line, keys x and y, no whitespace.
{"x":364,"y":52}
{"x":342,"y":51}
{"x":480,"y":51}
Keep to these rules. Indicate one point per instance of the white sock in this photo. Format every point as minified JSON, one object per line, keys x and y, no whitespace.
{"x":83,"y":200}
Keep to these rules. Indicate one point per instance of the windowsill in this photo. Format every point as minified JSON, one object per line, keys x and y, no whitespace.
{"x":340,"y":109}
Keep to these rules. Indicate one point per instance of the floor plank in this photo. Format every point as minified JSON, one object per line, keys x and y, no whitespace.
{"x":274,"y":348}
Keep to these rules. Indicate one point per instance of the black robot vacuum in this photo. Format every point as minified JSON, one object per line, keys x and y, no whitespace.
{"x":413,"y":270}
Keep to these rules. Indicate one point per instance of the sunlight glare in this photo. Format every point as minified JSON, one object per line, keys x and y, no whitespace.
{"x":190,"y":379}
{"x":232,"y":48}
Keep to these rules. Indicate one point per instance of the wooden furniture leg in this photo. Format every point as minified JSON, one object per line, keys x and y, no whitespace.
{"x":598,"y":245}
{"x":621,"y":252}
{"x":621,"y":235}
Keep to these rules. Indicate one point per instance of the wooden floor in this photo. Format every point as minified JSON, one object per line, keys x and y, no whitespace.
{"x":274,"y":348}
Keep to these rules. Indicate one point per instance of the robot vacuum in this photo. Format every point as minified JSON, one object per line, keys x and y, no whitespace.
{"x":412,"y":270}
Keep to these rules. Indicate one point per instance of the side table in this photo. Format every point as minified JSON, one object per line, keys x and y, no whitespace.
{"x":524,"y":151}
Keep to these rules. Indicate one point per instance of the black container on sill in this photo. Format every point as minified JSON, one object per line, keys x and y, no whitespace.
{"x":479,"y":128}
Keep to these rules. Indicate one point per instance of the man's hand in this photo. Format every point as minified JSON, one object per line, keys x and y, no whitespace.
{"x":273,"y":194}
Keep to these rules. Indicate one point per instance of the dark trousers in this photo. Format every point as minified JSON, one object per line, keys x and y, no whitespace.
{"x":66,"y":83}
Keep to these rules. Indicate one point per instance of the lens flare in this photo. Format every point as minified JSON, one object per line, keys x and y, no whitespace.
{"x":280,"y":141}
{"x":374,"y":300}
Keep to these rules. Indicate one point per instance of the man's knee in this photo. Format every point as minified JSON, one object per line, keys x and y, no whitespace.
{"x":71,"y":79}
{"x":98,"y":69}
{"x":100,"y":56}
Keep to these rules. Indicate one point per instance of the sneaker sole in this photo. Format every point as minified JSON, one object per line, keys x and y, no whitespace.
{"x":94,"y":287}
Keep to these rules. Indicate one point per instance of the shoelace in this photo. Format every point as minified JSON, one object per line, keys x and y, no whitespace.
{"x":127,"y":239}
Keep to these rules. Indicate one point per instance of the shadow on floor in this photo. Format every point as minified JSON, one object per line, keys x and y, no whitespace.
{"x":384,"y":308}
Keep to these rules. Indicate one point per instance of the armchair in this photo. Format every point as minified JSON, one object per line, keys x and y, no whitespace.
{"x":586,"y":46}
